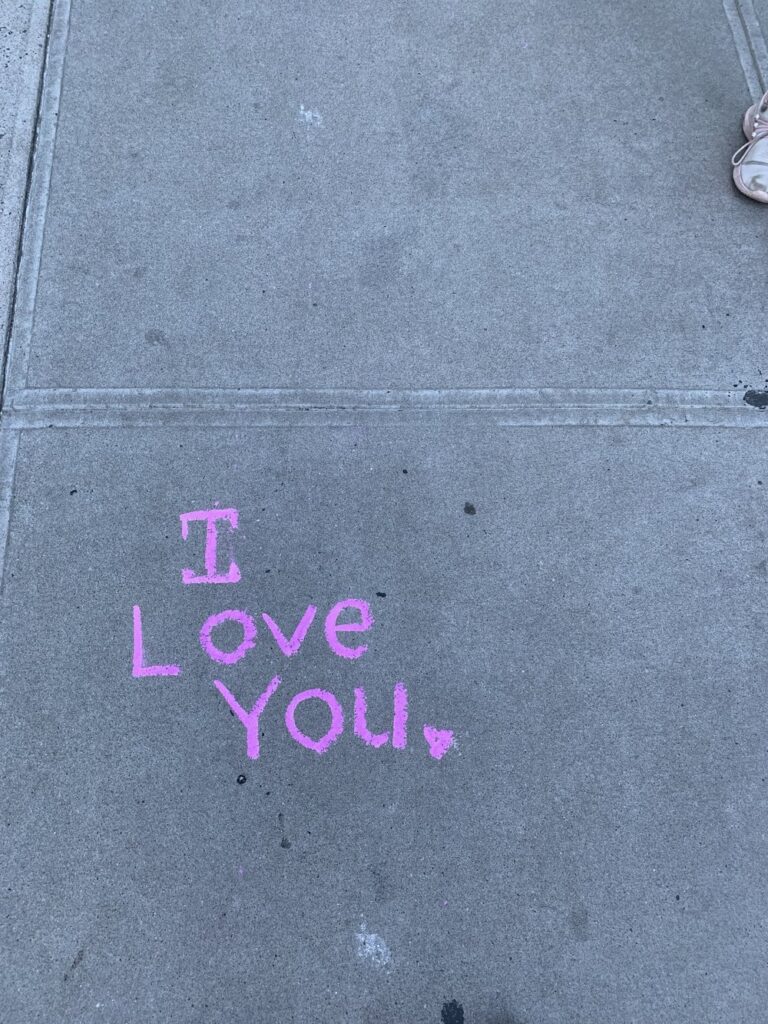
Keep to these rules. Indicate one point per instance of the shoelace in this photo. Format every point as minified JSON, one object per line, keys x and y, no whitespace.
{"x":757,"y":134}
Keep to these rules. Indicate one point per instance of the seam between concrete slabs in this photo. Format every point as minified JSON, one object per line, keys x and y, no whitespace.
{"x":543,"y":406}
{"x":47,"y":23}
{"x":750,"y":44}
{"x":18,"y":172}
{"x":9,"y":443}
{"x":33,"y":232}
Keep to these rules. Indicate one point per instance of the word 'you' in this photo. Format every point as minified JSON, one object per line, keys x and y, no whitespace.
{"x":345,"y":618}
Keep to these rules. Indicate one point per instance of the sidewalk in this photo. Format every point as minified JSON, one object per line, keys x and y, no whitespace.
{"x":446,"y":310}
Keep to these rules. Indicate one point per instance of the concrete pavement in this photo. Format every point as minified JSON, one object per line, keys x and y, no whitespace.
{"x":447,"y":313}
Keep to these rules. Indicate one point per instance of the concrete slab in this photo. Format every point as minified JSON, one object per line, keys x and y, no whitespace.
{"x":430,"y":194}
{"x":585,"y":608}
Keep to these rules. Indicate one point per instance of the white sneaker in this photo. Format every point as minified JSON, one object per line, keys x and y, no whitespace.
{"x":750,"y":161}
{"x":756,"y":118}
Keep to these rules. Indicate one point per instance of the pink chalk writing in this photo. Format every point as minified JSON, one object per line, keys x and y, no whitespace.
{"x":400,"y":720}
{"x":210,"y":517}
{"x":377,"y":739}
{"x":439,"y":741}
{"x":333,"y":627}
{"x":231,"y":615}
{"x":291,"y":647}
{"x":334,"y":730}
{"x":350,"y":615}
{"x":250,"y":719}
{"x":140,"y":670}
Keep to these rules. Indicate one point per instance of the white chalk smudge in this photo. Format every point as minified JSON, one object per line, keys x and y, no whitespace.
{"x":372,"y":947}
{"x":310,"y":116}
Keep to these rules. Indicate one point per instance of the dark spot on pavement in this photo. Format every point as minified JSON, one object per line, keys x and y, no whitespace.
{"x":76,"y":962}
{"x":285,"y":843}
{"x":578,"y":919}
{"x":469,"y":508}
{"x":280,"y":818}
{"x":241,"y":779}
{"x":452,"y":1013}
{"x":758,"y":399}
{"x":383,"y":262}
{"x":154,"y":337}
{"x":405,"y":471}
{"x":380,"y":593}
{"x":73,"y":491}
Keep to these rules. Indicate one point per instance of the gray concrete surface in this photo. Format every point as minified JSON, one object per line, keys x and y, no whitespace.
{"x":357,"y":202}
{"x":473,"y":193}
{"x":591,"y":852}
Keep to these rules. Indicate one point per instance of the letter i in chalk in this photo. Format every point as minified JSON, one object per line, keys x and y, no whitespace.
{"x":210,"y":517}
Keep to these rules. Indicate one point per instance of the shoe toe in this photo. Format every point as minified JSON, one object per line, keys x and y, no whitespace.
{"x":751,"y":173}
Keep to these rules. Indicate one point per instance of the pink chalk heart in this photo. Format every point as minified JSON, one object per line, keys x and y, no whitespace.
{"x":440,"y":741}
